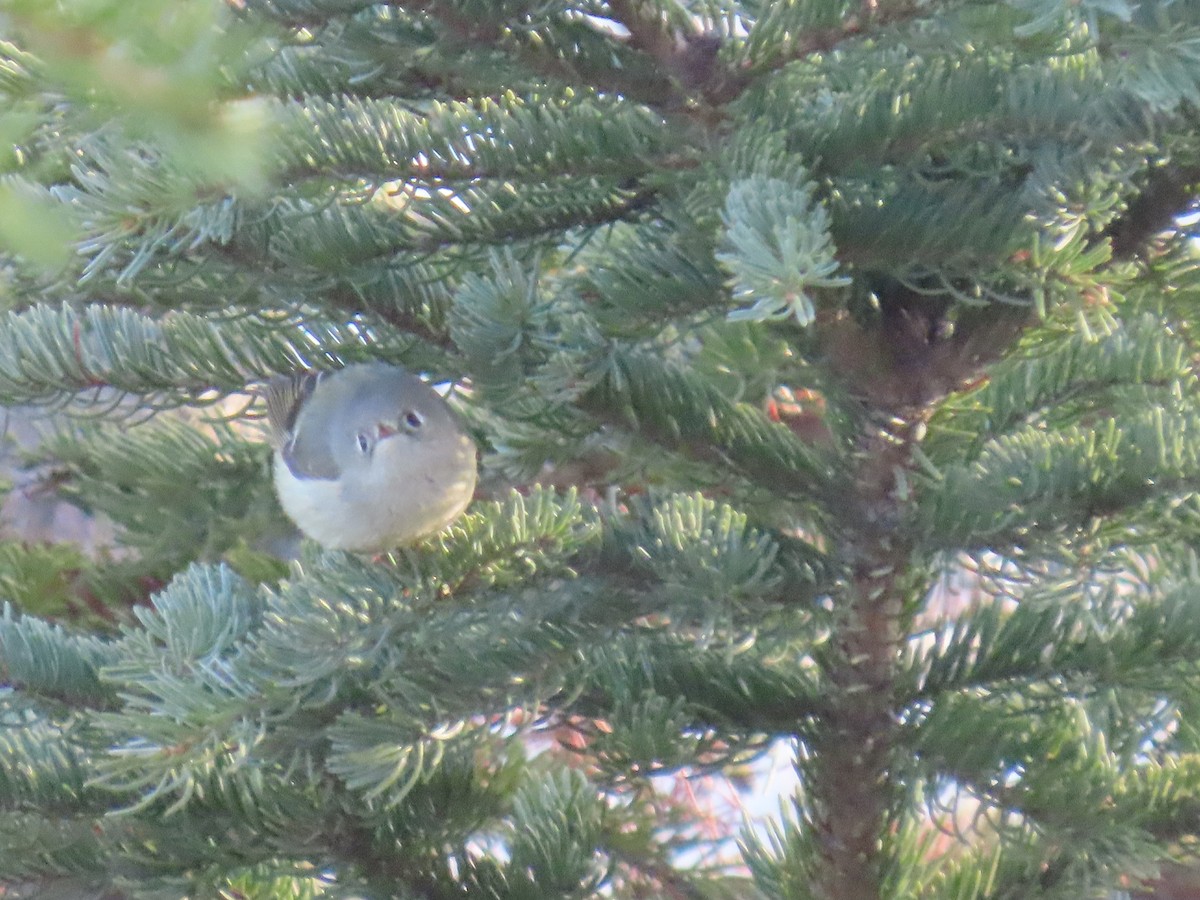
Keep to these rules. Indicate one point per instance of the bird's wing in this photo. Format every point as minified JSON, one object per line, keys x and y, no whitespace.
{"x":285,"y":395}
{"x":306,"y":456}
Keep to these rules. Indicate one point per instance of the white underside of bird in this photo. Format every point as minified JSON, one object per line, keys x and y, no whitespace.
{"x":375,"y":512}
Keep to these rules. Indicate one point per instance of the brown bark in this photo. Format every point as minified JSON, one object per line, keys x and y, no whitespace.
{"x":853,"y":753}
{"x":899,"y":368}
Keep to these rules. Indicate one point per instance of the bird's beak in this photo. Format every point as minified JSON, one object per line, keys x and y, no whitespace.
{"x":386,"y":430}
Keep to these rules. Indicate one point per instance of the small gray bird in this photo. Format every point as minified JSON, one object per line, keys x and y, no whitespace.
{"x":369,"y":457}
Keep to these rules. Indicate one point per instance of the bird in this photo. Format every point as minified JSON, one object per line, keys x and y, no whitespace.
{"x":367,"y":458}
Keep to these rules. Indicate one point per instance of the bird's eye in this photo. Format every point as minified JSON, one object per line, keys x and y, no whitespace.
{"x":413,"y":420}
{"x":364,"y":442}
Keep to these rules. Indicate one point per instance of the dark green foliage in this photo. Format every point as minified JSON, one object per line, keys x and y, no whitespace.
{"x":833,"y":369}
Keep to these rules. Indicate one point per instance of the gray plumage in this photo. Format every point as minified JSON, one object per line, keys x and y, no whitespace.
{"x":367,"y":457}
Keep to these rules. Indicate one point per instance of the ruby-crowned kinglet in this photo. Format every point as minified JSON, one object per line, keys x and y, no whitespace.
{"x":369,"y":457}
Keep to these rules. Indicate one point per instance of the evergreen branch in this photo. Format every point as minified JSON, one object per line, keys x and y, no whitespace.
{"x":494,"y":322}
{"x":554,"y":53}
{"x":54,"y":850}
{"x":135,"y":213}
{"x":19,"y":71}
{"x":51,"y":581}
{"x":194,"y":718}
{"x":777,"y":248}
{"x":637,"y":389}
{"x":964,"y":223}
{"x":685,"y":549}
{"x":201,"y":616}
{"x":199,"y":771}
{"x":748,"y":689}
{"x":1113,"y":853}
{"x":1171,"y":284}
{"x":131,"y":207}
{"x":422,"y":223}
{"x":683,"y":55}
{"x":648,"y":30}
{"x":384,"y":53}
{"x":557,"y":50}
{"x":1163,"y":796}
{"x":132,"y":475}
{"x":503,"y":543}
{"x":419,"y":640}
{"x":42,"y":767}
{"x":45,"y":662}
{"x":1031,"y":482}
{"x":456,"y":780}
{"x":57,"y":355}
{"x":801,"y":43}
{"x":653,"y":735}
{"x":1046,"y":777}
{"x":1055,"y":366}
{"x":782,"y":855}
{"x":923,"y":110}
{"x":556,"y":827}
{"x":408,"y":293}
{"x":397,"y":298}
{"x":418,"y":290}
{"x":322,"y":628}
{"x":184,"y":736}
{"x":705,"y":558}
{"x":301,"y":13}
{"x":638,"y":273}
{"x":341,"y":56}
{"x":1071,"y":638}
{"x":509,"y":137}
{"x":778,"y":27}
{"x":1008,"y":733}
{"x":1158,"y":60}
{"x":199,"y":853}
{"x":695,"y":545}
{"x":384,"y":758}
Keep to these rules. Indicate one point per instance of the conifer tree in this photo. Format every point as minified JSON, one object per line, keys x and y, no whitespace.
{"x":833,"y":371}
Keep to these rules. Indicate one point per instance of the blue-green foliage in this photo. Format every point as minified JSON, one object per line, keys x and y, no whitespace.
{"x":833,"y":371}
